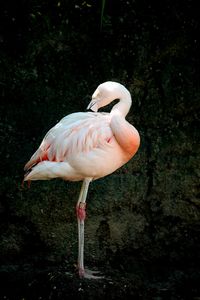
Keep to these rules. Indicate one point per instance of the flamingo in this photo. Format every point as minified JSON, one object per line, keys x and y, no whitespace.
{"x":86,"y":146}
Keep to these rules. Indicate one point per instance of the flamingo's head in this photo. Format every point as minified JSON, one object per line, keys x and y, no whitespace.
{"x":105,"y":94}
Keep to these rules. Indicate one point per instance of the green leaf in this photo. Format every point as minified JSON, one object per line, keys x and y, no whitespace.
{"x":102,"y":11}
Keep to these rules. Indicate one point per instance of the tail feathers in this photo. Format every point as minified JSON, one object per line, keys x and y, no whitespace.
{"x":30,"y":164}
{"x":36,"y":158}
{"x":46,"y":170}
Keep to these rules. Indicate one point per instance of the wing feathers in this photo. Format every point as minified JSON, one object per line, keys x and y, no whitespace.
{"x":75,"y":133}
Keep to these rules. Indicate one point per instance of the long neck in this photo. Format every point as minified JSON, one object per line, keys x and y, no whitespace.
{"x":123,"y":106}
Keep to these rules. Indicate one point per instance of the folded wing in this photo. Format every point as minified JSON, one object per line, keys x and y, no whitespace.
{"x":74,"y":134}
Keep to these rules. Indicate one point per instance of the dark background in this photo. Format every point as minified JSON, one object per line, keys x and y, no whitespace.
{"x":143,"y":224}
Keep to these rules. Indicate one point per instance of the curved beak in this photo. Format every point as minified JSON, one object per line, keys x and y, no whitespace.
{"x":93,"y":105}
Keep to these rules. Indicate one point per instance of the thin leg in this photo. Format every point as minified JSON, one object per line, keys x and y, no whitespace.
{"x":81,"y":214}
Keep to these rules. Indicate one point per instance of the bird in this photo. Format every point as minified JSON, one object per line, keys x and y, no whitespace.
{"x":86,"y":146}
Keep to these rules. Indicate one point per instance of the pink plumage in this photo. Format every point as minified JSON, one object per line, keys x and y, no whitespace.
{"x":87,"y":146}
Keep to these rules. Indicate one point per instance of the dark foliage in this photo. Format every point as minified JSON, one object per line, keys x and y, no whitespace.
{"x":143,"y":221}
